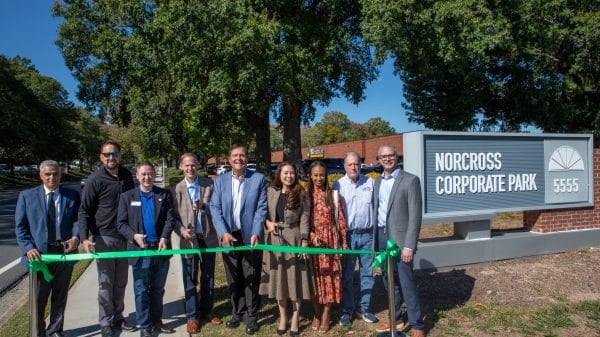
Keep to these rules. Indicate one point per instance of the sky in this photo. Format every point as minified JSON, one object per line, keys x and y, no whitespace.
{"x":27,"y":29}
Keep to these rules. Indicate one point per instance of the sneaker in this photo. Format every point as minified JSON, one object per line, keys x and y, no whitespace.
{"x":106,"y":331}
{"x":385,"y":326}
{"x":369,"y":317}
{"x":346,"y":320}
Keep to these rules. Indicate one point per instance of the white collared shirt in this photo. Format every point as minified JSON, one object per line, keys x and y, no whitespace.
{"x":357,"y":200}
{"x":237,"y":186}
{"x":384,"y":196}
{"x":57,"y":197}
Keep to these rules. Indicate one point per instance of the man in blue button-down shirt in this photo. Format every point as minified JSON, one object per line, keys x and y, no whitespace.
{"x":356,"y":191}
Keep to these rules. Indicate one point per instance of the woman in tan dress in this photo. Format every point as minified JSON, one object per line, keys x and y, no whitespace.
{"x":325,"y":232}
{"x":287,"y":275}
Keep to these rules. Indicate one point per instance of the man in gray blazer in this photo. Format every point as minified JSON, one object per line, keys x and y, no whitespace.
{"x":397,"y":216}
{"x":195,"y":230}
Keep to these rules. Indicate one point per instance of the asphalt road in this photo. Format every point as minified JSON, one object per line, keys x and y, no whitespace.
{"x":9,"y":251}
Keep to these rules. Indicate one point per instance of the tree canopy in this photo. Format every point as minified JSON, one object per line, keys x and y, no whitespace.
{"x":199,"y":75}
{"x":37,"y":118}
{"x":493,"y":64}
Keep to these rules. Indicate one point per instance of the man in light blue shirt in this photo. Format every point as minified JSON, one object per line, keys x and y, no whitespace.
{"x":356,"y":191}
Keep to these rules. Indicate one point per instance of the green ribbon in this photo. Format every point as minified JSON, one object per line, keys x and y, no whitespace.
{"x":391,"y":250}
{"x":40,"y":265}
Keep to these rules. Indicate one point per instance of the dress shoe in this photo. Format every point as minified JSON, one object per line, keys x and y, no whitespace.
{"x":385,"y":326}
{"x":417,"y":333}
{"x":251,"y":329}
{"x":57,"y":334}
{"x":214,"y":319}
{"x":161,"y":328}
{"x":281,"y":332}
{"x":233,"y":323}
{"x":106,"y":331}
{"x":193,"y":326}
{"x":123,"y":325}
{"x":294,"y":333}
{"x":145,"y":333}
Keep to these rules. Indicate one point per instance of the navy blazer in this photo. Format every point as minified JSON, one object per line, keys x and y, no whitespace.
{"x":254,"y":205}
{"x":129,"y":216}
{"x":31,"y":217}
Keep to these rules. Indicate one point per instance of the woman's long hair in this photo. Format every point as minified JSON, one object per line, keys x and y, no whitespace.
{"x":293,"y":198}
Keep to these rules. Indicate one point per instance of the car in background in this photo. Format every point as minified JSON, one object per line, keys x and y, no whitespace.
{"x":223,"y":168}
{"x":251,"y":167}
{"x":84,"y":180}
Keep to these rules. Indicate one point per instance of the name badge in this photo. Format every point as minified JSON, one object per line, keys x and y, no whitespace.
{"x":136,"y":204}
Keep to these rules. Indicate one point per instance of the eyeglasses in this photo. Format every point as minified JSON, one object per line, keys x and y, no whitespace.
{"x":108,"y":154}
{"x":387,"y":156}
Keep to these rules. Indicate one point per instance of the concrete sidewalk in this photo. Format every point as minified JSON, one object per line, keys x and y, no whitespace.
{"x":81,"y":316}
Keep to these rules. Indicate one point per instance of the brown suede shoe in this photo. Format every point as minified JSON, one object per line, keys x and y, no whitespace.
{"x":417,"y":333}
{"x":193,"y":326}
{"x":385,"y":326}
{"x":214,"y":319}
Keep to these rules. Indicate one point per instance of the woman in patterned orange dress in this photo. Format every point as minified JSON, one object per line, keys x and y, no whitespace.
{"x":325,"y":233}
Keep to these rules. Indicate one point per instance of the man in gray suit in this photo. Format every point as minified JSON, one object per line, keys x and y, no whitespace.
{"x":397,"y":216}
{"x":196,"y":230}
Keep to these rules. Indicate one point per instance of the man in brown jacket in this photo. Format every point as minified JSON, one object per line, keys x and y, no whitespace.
{"x":196,"y":230}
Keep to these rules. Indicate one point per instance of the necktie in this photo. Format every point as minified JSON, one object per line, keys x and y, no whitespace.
{"x":51,"y":219}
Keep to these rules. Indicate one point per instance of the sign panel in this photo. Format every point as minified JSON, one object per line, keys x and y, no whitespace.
{"x":470,"y":173}
{"x":314,"y":153}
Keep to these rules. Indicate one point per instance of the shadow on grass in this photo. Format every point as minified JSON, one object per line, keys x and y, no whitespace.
{"x":437,"y":291}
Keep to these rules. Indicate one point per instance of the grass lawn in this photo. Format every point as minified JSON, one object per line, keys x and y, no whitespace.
{"x":18,"y":324}
{"x":471,"y":319}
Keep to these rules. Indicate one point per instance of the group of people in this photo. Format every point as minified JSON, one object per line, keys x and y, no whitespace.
{"x":238,"y":208}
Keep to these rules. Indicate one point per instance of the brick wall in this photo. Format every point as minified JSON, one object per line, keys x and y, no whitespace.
{"x":570,"y":218}
{"x":367,"y":148}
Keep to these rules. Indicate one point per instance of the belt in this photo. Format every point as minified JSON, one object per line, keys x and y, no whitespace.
{"x":361,"y":231}
{"x":151,"y":245}
{"x":55,"y":244}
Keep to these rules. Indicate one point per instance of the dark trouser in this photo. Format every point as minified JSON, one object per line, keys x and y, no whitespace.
{"x":199,"y":305}
{"x":149,"y":278}
{"x":112,"y":280}
{"x":405,"y":288}
{"x":243,"y":275}
{"x":59,"y":287}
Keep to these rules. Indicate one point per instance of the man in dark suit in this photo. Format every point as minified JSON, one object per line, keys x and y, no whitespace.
{"x":145,"y":218}
{"x":196,"y":230}
{"x":397,"y":216}
{"x":46,"y":222}
{"x":239,"y":208}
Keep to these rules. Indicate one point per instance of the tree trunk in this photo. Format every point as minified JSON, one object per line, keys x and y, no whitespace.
{"x":292,"y":112}
{"x":263,"y":142}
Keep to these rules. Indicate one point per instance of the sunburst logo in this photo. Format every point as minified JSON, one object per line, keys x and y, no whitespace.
{"x":565,"y":158}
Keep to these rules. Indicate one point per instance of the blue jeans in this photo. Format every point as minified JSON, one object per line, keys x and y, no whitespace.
{"x":405,"y":288}
{"x":199,"y":305}
{"x":357,"y":241}
{"x":149,"y":277}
